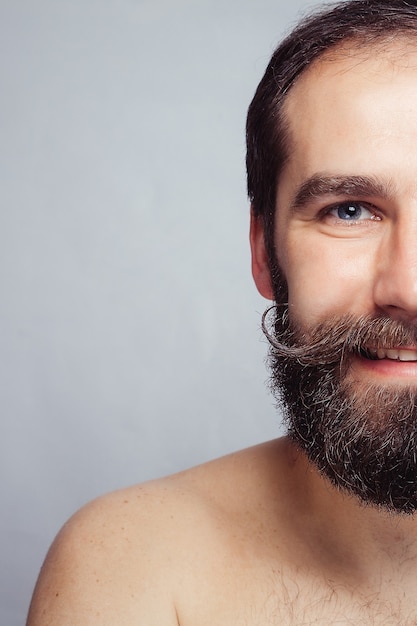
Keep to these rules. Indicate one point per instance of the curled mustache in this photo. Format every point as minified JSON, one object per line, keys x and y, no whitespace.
{"x":331,"y":341}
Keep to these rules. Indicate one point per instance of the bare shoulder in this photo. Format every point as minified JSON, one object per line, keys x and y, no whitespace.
{"x":132,"y":554}
{"x":103,"y":566}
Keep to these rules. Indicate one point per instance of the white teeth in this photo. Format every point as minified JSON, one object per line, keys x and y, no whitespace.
{"x":395,"y":355}
{"x":407,"y":355}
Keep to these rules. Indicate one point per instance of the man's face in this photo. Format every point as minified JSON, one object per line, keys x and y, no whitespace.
{"x":346,"y":223}
{"x":346,"y":240}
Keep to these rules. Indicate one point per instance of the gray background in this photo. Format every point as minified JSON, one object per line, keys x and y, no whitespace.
{"x":129,"y":324}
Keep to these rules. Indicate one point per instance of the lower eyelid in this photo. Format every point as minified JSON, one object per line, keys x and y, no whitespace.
{"x":362,"y":223}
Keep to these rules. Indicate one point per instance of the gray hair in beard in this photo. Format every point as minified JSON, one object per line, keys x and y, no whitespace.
{"x":362,"y":437}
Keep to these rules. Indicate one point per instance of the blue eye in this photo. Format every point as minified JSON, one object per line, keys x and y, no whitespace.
{"x":351,"y":211}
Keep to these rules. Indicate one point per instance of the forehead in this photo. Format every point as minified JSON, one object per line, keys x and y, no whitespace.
{"x":351,"y":100}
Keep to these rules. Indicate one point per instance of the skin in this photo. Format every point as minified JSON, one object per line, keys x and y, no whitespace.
{"x":259,"y":537}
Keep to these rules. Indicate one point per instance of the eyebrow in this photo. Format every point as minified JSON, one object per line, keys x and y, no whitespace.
{"x":360,"y":186}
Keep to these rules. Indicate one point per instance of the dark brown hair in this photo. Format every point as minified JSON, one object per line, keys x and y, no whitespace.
{"x":365,"y":22}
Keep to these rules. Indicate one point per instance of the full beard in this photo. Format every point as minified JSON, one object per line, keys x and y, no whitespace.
{"x":363,"y":437}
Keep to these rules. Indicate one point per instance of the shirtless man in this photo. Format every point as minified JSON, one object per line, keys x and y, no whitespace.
{"x":320,"y":526}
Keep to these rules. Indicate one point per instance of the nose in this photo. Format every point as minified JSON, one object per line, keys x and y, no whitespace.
{"x":395,"y":286}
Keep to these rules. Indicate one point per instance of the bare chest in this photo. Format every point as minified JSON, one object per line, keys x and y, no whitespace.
{"x":283,"y":600}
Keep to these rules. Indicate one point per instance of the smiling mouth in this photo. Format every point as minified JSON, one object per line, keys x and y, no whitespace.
{"x":392,"y":354}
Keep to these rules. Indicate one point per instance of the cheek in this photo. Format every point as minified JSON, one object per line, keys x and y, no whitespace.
{"x":327,"y":280}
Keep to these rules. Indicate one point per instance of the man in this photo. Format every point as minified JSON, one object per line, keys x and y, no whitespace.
{"x":320,"y":526}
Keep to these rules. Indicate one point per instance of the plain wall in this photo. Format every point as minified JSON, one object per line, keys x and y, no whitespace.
{"x":129,"y":325}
